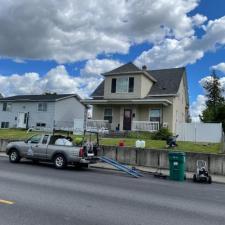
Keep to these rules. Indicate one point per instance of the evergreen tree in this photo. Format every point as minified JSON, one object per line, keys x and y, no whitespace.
{"x":215,"y":104}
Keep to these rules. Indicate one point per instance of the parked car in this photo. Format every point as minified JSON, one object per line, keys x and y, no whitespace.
{"x":53,"y":148}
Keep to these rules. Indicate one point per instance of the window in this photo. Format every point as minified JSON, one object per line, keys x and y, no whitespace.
{"x":113,"y":87}
{"x":108,"y":114}
{"x":40,"y":124}
{"x":7,"y":106}
{"x":35,"y":139}
{"x":4,"y":124}
{"x":45,"y":139}
{"x":155,"y":115}
{"x":122,"y":85}
{"x":42,"y":107}
{"x":131,"y":84}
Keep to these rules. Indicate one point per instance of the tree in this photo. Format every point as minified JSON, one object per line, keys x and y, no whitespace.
{"x":215,"y":104}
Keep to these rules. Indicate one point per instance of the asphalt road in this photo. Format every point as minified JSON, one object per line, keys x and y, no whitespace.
{"x":43,"y":195}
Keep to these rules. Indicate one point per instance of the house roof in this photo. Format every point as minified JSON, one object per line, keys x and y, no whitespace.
{"x":38,"y":98}
{"x":167,"y":81}
{"x":123,"y":69}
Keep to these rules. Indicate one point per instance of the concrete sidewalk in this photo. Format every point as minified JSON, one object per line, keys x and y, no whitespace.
{"x":189,"y":175}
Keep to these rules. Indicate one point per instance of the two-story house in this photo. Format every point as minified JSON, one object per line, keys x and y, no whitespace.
{"x":130,"y":98}
{"x":41,"y":111}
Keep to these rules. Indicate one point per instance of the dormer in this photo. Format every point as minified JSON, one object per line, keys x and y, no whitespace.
{"x":127,"y":82}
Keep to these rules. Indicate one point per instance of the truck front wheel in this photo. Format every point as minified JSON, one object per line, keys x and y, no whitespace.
{"x":14,"y":156}
{"x":60,"y":161}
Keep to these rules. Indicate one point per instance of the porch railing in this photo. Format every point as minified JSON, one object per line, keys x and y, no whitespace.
{"x":145,"y":126}
{"x":98,"y":125}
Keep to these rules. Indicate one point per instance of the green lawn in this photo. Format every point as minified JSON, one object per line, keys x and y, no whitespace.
{"x":157,"y":144}
{"x":13,"y":134}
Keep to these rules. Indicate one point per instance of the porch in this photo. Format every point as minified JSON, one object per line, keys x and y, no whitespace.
{"x":131,"y":115}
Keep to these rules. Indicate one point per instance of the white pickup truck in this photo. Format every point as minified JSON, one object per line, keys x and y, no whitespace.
{"x":44,"y":147}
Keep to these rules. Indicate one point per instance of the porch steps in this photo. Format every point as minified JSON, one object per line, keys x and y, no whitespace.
{"x":121,"y":167}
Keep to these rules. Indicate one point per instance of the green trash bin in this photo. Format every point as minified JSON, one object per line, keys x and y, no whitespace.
{"x":177,"y":166}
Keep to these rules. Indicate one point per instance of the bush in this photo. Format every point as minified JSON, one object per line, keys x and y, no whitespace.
{"x":162,"y":134}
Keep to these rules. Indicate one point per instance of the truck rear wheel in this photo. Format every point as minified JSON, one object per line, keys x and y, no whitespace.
{"x":14,"y":156}
{"x":60,"y":161}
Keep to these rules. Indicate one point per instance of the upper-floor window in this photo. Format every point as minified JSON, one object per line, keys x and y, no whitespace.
{"x":122,"y":85}
{"x":7,"y":106}
{"x":42,"y":107}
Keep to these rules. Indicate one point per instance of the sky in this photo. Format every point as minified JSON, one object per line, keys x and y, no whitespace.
{"x":65,"y":46}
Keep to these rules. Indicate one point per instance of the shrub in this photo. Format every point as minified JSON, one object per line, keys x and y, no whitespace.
{"x":162,"y":134}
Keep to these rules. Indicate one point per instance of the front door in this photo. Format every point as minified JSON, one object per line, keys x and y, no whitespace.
{"x":22,"y":120}
{"x":127,"y":119}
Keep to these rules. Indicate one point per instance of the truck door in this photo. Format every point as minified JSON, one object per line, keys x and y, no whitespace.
{"x":32,"y":144}
{"x":40,"y":148}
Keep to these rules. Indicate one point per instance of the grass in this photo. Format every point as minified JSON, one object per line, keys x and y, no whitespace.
{"x":158,"y":144}
{"x":13,"y":134}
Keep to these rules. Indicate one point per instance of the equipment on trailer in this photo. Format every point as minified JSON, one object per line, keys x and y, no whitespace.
{"x":202,"y":174}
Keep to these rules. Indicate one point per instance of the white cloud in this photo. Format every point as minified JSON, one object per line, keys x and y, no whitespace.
{"x":219,"y":67}
{"x":198,"y":20}
{"x":95,"y":67}
{"x":67,"y":30}
{"x":58,"y":80}
{"x":203,"y":81}
{"x":175,"y":53}
{"x":170,"y":53}
{"x":197,"y":107}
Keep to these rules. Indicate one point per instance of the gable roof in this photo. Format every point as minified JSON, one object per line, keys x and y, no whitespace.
{"x":167,"y":81}
{"x":38,"y":98}
{"x":129,"y":67}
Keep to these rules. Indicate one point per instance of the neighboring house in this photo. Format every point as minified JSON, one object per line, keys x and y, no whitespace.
{"x":41,"y":111}
{"x":139,"y":99}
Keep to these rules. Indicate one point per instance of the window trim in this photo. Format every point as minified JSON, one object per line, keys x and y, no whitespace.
{"x":6,"y":108}
{"x":128,"y":78}
{"x":42,"y":107}
{"x":160,"y":115}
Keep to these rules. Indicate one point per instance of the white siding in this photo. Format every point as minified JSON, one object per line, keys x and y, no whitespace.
{"x":34,"y":116}
{"x":67,"y":110}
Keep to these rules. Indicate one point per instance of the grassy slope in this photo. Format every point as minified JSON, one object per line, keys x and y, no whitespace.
{"x":156,"y":144}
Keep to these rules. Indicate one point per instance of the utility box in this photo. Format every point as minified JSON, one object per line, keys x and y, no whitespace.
{"x":177,"y":166}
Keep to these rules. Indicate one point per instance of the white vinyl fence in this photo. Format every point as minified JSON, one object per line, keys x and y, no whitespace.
{"x":200,"y":132}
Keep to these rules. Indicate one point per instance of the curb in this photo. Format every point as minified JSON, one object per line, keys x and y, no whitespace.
{"x":2,"y":154}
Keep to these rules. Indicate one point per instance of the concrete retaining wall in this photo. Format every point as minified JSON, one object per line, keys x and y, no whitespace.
{"x":3,"y":144}
{"x":155,"y":158}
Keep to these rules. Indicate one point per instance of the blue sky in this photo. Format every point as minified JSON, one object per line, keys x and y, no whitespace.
{"x":66,"y":46}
